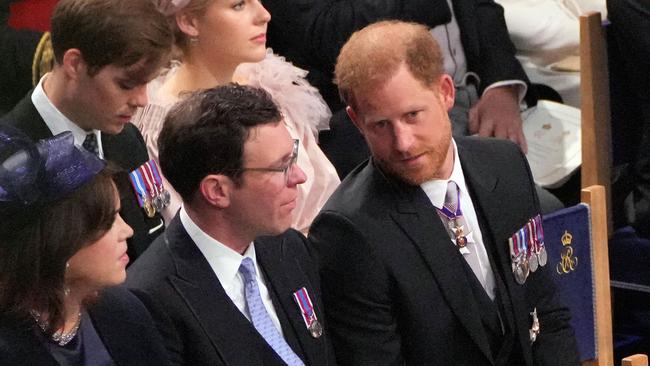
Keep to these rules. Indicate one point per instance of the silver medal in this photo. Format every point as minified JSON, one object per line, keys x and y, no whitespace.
{"x":520,"y":277}
{"x":316,"y":329}
{"x":166,"y":197}
{"x":543,"y":257}
{"x":158,"y":203}
{"x":526,"y":268}
{"x":533,"y":262}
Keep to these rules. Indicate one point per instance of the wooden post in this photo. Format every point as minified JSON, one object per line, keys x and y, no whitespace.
{"x":635,"y":360}
{"x":594,"y":196}
{"x":595,"y":107}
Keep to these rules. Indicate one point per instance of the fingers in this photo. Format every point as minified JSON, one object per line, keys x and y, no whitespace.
{"x":473,"y":120}
{"x":487,"y":127}
{"x":493,"y":120}
{"x":521,"y":141}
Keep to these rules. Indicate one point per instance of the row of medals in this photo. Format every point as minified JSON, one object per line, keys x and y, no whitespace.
{"x":156,"y":203}
{"x":522,"y":265}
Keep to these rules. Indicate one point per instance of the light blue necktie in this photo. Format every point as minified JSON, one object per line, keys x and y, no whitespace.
{"x":261,"y":319}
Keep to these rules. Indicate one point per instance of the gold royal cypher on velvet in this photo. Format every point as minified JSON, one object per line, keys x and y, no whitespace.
{"x":568,"y":262}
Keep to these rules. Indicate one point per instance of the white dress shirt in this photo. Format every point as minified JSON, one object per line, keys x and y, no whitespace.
{"x":225,"y":264}
{"x":55,"y":120}
{"x":474,"y":252}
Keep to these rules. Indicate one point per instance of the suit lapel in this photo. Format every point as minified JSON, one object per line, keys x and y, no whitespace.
{"x":234,"y":338}
{"x":285,"y":276}
{"x":416,"y":216}
{"x":483,"y":183}
{"x":26,"y":118}
{"x":111,"y":330}
{"x":491,"y":209}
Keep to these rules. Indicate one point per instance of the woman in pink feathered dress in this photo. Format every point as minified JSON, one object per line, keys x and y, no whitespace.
{"x":223,"y":41}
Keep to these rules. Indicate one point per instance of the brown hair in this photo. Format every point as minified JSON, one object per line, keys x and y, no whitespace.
{"x":119,"y":32}
{"x":33,"y":254}
{"x":215,"y":125}
{"x":373,"y":54}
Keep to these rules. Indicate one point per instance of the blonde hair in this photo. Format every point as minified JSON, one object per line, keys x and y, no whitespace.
{"x":194,"y":7}
{"x":373,"y":54}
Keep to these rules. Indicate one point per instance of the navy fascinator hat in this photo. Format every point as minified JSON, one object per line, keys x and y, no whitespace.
{"x":34,"y":174}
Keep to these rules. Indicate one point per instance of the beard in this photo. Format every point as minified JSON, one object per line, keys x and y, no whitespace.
{"x":434,"y":157}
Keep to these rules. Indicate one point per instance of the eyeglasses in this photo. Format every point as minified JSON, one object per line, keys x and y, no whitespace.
{"x":286,"y":169}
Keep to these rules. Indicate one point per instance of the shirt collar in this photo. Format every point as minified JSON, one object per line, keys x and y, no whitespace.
{"x":224,"y":261}
{"x":56,"y":121}
{"x":436,"y":189}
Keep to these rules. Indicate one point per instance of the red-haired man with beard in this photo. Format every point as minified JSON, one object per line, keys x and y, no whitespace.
{"x":416,"y":266}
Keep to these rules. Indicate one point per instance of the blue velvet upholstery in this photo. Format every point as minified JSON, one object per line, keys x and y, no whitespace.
{"x":567,"y":238}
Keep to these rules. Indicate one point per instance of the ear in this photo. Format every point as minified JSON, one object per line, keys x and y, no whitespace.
{"x":187,"y":23}
{"x":354,"y":117}
{"x":73,"y":64}
{"x":216,"y":189}
{"x":447,"y":91}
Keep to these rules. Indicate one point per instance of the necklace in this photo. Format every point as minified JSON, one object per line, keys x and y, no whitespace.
{"x":59,"y":336}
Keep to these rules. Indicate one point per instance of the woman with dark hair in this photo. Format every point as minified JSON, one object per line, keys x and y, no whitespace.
{"x":62,"y":251}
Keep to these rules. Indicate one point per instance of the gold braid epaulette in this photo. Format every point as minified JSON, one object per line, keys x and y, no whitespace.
{"x":43,"y":61}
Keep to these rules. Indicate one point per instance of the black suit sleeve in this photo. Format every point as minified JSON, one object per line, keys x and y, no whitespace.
{"x":496,"y":59}
{"x":356,"y":294}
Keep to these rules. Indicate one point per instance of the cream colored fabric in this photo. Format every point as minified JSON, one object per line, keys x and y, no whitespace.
{"x":546,"y":32}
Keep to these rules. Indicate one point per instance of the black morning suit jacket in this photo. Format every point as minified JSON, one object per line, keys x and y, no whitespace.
{"x":126,"y":149}
{"x":398,"y":291}
{"x":122,"y":322}
{"x":199,"y":323}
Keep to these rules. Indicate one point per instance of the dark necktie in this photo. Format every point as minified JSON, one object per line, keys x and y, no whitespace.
{"x":90,"y":143}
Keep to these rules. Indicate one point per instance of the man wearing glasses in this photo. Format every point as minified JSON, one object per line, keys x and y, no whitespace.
{"x":229,"y":283}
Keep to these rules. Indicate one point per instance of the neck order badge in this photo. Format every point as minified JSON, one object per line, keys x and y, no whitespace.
{"x":453,"y":215}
